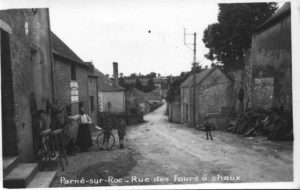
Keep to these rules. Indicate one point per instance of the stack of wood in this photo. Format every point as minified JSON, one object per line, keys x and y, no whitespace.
{"x":277,"y":126}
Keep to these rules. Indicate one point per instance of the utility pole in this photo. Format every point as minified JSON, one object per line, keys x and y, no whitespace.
{"x":194,"y":65}
{"x":194,"y":81}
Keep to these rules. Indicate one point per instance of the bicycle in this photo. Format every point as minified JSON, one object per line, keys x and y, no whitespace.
{"x":109,"y":142}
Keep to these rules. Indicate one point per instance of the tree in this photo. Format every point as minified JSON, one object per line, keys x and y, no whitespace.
{"x":230,"y":38}
{"x":174,"y":89}
{"x":138,"y":84}
{"x":122,"y":82}
{"x":150,"y":85}
{"x":151,"y":75}
{"x":133,"y":75}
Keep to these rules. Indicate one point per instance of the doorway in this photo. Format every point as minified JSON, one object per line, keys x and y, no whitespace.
{"x":9,"y":131}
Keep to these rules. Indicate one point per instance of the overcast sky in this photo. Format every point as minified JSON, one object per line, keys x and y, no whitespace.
{"x":141,"y":35}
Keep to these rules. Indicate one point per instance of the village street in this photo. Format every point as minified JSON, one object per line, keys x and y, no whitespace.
{"x":177,"y":154}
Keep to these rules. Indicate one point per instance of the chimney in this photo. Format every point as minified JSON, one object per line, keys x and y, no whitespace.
{"x":116,"y":74}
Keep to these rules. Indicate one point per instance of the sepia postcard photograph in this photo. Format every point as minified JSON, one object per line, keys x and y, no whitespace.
{"x":145,"y":94}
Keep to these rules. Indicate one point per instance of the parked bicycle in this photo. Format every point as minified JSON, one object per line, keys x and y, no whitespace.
{"x":105,"y":139}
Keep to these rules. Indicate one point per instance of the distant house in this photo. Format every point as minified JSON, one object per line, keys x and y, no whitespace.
{"x":213,"y":95}
{"x":155,"y":96}
{"x":144,"y":81}
{"x":111,"y":96}
{"x":158,"y":81}
{"x":136,"y":101}
{"x":268,"y":77}
{"x":71,"y":77}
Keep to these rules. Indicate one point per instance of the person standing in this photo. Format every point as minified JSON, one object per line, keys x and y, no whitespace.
{"x":121,"y":132}
{"x":84,"y":137}
{"x":208,"y":127}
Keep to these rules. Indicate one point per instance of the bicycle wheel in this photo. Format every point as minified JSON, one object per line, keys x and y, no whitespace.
{"x":110,"y":142}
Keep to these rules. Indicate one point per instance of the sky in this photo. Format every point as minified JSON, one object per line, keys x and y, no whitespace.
{"x":143,"y":36}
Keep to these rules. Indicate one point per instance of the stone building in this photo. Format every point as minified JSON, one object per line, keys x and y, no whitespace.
{"x":268,"y":76}
{"x":213,"y":95}
{"x":26,"y":77}
{"x":35,"y":66}
{"x":71,"y":77}
{"x":26,"y":83}
{"x":93,"y":92}
{"x":155,"y":96}
{"x":158,"y":81}
{"x":111,"y":96}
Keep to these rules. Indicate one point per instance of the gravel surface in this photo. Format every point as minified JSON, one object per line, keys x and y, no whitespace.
{"x":160,"y":152}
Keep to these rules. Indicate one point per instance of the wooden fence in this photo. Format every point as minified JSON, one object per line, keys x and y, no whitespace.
{"x":220,"y":122}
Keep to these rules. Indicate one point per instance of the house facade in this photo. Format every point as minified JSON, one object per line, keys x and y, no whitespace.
{"x":158,"y":81}
{"x":93,"y":92}
{"x":155,"y":96}
{"x":268,"y":79}
{"x":111,"y":96}
{"x":71,"y":77}
{"x":37,"y":66}
{"x":213,"y":95}
{"x":26,"y":78}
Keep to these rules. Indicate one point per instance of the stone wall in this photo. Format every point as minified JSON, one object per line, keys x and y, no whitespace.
{"x":271,"y":58}
{"x":213,"y":99}
{"x":30,"y":75}
{"x":174,"y":111}
{"x":63,"y":80}
{"x":92,"y":81}
{"x":263,"y":92}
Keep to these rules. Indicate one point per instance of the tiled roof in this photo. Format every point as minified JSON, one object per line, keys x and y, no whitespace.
{"x":199,"y":78}
{"x":134,"y":93}
{"x":61,"y":49}
{"x":281,"y":12}
{"x":105,"y":84}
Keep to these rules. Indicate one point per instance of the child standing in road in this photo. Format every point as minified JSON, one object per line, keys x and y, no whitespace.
{"x":121,"y":132}
{"x":208,"y":127}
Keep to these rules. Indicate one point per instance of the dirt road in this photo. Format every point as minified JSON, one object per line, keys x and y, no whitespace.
{"x":160,"y":152}
{"x":181,"y":154}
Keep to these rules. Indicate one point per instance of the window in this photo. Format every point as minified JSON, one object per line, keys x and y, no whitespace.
{"x":73,"y":72}
{"x":100,"y":99}
{"x":92,"y":103}
{"x":74,"y":91}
